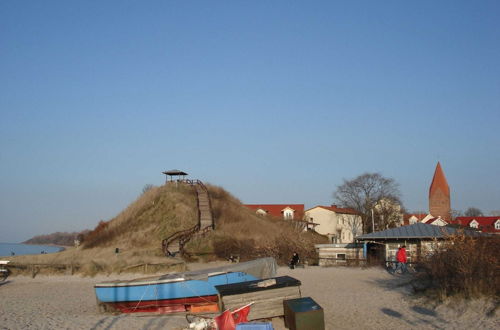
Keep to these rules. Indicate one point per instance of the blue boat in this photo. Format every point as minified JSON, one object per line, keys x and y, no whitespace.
{"x":186,"y":291}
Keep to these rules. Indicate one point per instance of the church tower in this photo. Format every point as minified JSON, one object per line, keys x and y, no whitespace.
{"x":439,"y":195}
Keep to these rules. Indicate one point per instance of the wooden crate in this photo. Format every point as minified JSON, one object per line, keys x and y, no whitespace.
{"x":267,"y":301}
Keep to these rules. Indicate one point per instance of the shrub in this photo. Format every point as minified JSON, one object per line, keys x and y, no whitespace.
{"x":465,"y":266}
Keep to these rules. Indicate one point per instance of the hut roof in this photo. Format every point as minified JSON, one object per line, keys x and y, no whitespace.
{"x":175,"y":172}
{"x":418,"y":230}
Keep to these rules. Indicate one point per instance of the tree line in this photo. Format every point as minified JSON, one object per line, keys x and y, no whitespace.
{"x":58,"y":238}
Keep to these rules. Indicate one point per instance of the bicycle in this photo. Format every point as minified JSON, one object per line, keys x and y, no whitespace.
{"x":390,"y":266}
{"x":4,"y":271}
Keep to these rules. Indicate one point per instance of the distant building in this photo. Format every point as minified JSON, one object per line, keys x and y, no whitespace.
{"x":280,"y":211}
{"x":439,"y":195}
{"x":436,"y":221}
{"x":388,"y":213}
{"x":483,"y":224}
{"x":340,"y":225}
{"x":420,"y":239}
{"x":411,"y":219}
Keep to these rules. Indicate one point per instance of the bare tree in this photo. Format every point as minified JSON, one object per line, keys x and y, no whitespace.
{"x":353,"y":224}
{"x":473,"y":212}
{"x":364,"y":192}
{"x":456,"y":213}
{"x":495,"y":213}
{"x":388,"y":213}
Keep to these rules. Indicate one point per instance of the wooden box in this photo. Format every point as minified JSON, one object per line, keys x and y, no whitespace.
{"x":267,"y":296}
{"x":303,"y":314}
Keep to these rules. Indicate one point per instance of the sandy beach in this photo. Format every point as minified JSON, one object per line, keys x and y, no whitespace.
{"x":352,"y":298}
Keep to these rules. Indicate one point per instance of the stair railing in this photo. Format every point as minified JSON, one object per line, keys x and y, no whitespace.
{"x":183,"y":236}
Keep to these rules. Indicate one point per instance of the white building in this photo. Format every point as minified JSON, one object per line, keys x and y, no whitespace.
{"x":340,"y":225}
{"x":411,"y":219}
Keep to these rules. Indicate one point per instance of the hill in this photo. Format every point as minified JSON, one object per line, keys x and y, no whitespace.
{"x":137,"y":233}
{"x":163,"y":210}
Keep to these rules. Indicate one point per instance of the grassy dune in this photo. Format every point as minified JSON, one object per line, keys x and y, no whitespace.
{"x":161,"y":211}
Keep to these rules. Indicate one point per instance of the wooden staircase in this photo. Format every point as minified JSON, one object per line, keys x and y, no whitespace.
{"x":174,"y":244}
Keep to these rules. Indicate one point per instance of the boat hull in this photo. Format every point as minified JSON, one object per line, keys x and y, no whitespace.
{"x":160,"y":296}
{"x":192,"y":291}
{"x":210,"y":303}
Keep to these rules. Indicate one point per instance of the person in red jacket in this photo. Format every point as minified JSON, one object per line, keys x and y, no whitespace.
{"x":401,"y":258}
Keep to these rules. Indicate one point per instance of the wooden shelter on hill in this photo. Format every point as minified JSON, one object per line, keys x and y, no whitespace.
{"x":180,"y":175}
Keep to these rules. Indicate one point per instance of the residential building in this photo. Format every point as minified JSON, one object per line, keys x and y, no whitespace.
{"x":340,"y":225}
{"x":436,"y":222}
{"x":410,"y":219}
{"x":279,"y":211}
{"x":388,"y":214}
{"x":483,"y":224}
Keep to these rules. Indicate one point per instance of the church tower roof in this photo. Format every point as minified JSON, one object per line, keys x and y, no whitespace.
{"x":439,"y":182}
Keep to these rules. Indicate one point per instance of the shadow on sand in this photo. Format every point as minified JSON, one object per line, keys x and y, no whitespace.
{"x":4,"y":282}
{"x":414,"y":314}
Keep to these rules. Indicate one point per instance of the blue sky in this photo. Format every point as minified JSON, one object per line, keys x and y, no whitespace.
{"x":276,"y":101}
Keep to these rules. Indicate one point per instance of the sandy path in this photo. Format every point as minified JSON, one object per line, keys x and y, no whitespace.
{"x":351,"y":298}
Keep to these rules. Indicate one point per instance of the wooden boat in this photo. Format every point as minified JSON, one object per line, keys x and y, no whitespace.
{"x":187,"y":291}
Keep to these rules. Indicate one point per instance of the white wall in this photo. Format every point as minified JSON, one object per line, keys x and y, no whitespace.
{"x":332,"y":224}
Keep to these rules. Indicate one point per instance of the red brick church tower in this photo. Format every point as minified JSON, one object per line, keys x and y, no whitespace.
{"x":439,"y":195}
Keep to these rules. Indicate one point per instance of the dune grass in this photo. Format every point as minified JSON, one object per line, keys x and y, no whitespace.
{"x":463,"y":267}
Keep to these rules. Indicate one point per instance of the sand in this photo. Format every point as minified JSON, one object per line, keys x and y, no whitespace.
{"x":352,"y":298}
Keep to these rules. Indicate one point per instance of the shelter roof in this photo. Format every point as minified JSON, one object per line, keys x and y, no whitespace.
{"x":417,"y":230}
{"x":175,"y":172}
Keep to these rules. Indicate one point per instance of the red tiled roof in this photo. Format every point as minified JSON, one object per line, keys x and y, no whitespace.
{"x":439,"y":182}
{"x":430,"y":221}
{"x":276,"y":210}
{"x":336,"y":209}
{"x":485,"y":224}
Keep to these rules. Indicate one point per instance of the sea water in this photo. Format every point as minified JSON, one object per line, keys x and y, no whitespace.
{"x":9,"y":249}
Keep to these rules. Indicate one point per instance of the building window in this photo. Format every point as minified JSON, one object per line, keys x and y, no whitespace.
{"x":497,"y":225}
{"x":341,"y":256}
{"x":473,"y":224}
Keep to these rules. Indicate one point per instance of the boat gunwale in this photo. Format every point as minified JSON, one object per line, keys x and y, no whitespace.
{"x":139,"y":282}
